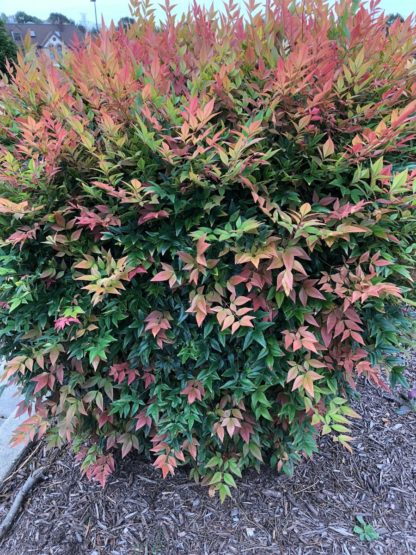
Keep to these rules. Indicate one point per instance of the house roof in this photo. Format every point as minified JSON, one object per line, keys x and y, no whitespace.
{"x":41,"y":32}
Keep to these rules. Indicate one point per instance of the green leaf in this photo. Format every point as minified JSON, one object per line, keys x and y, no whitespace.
{"x":214,"y":461}
{"x":216,"y":478}
{"x":399,"y":181}
{"x":228,"y":479}
{"x":235,"y":469}
{"x":224,"y":491}
{"x":99,"y":400}
{"x":340,"y":428}
{"x":255,"y":451}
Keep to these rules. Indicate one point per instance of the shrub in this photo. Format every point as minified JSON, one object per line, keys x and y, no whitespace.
{"x":208,"y":233}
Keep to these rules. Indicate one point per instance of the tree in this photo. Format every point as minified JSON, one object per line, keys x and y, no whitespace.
{"x":23,"y":17}
{"x":8,"y":47}
{"x":59,"y":19}
{"x":392,"y":18}
{"x":125,"y":22}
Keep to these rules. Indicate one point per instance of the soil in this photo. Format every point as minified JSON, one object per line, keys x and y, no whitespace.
{"x":312,"y":512}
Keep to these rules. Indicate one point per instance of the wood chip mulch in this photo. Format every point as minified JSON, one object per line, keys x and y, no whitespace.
{"x":313,"y":512}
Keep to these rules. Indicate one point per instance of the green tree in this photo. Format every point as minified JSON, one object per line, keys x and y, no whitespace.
{"x":392,"y":18}
{"x":59,"y":19}
{"x":23,"y":17}
{"x":125,"y":22}
{"x":8,"y":48}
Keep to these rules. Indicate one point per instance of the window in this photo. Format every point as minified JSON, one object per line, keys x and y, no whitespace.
{"x":32,"y":34}
{"x":16,"y":35}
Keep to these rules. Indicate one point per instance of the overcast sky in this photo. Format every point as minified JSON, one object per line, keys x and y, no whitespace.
{"x":114,"y":9}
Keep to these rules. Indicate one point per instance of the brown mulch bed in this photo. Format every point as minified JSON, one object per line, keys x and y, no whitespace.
{"x":312,"y":512}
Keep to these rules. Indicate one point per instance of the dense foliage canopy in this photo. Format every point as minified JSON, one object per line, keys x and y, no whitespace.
{"x":208,"y":233}
{"x":8,"y":49}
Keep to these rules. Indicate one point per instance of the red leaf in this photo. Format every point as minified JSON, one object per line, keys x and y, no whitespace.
{"x":165,"y":275}
{"x":64,"y":321}
{"x":357,"y":337}
{"x":135,"y":271}
{"x":143,"y":420}
{"x":41,"y":381}
{"x":146,"y":216}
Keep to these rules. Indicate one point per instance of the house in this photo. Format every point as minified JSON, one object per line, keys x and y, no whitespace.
{"x":49,"y":36}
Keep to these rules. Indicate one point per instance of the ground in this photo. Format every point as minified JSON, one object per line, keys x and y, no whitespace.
{"x":312,"y":512}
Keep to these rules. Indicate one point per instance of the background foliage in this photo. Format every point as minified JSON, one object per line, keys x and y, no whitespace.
{"x":208,"y":232}
{"x":8,"y":48}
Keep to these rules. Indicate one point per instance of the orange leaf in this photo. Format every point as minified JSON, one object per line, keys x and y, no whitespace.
{"x":229,"y":320}
{"x":239,"y":301}
{"x":328,"y":148}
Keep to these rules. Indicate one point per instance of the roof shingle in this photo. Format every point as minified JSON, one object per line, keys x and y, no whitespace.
{"x":41,"y":32}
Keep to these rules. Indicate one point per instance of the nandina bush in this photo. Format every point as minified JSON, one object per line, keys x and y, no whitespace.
{"x":208,"y":233}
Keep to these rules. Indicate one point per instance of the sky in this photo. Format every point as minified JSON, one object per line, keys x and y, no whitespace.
{"x":83,"y":10}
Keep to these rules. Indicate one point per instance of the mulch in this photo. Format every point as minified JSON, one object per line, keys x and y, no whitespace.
{"x":312,"y":512}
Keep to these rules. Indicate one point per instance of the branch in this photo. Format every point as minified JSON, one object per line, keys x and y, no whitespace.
{"x":24,"y":490}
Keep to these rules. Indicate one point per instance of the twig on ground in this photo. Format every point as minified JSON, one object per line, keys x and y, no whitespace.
{"x":23,"y":464}
{"x":24,"y":490}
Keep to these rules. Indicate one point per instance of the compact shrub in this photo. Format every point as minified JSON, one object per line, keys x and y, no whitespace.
{"x":208,"y":233}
